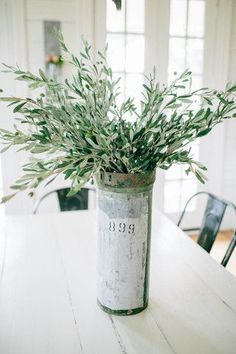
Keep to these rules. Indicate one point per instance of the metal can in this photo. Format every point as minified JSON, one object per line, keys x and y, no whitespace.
{"x":123,"y":247}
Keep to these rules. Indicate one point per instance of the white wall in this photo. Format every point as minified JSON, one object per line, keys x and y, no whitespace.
{"x":12,"y":51}
{"x":22,"y":42}
{"x":229,"y":168}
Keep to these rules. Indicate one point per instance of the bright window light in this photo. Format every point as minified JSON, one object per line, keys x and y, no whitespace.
{"x":186,"y":50}
{"x":125,"y":38}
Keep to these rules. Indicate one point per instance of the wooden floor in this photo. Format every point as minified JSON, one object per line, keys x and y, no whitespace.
{"x":220,"y":247}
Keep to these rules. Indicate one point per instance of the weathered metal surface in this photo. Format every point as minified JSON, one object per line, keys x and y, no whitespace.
{"x":125,"y":180}
{"x":124,"y":242}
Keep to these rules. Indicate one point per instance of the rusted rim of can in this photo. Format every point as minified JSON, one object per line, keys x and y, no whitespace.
{"x":129,"y":312}
{"x":125,"y":180}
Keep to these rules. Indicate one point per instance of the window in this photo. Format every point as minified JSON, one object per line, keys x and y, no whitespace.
{"x":179,"y":187}
{"x":186,"y":50}
{"x":125,"y":38}
{"x":186,"y":43}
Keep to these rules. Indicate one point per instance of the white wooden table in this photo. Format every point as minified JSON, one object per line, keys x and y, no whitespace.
{"x":48,"y":293}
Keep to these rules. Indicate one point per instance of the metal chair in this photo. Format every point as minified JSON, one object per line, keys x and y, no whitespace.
{"x":79,"y":201}
{"x":212,"y":219}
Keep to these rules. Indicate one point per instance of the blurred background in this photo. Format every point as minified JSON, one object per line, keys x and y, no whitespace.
{"x":170,"y":34}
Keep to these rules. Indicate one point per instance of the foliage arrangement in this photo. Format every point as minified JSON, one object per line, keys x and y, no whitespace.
{"x":77,"y":128}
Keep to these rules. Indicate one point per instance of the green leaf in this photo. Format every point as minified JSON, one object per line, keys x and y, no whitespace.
{"x":42,"y":74}
{"x":7,"y":198}
{"x":18,"y":107}
{"x":5,"y":148}
{"x":203,"y":132}
{"x":200,"y":176}
{"x":83,"y":163}
{"x":10,"y":99}
{"x":95,"y":146}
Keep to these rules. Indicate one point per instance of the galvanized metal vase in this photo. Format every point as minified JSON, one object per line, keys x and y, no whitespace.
{"x":124,"y":231}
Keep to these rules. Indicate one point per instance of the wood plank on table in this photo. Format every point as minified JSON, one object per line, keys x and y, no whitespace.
{"x":48,"y":293}
{"x":192,"y":297}
{"x":35,"y":313}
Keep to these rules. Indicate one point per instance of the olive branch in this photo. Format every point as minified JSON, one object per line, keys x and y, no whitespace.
{"x":76,"y":128}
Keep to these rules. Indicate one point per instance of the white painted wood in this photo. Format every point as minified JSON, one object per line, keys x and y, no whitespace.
{"x":12,"y":51}
{"x":198,"y":309}
{"x":217,"y":41}
{"x":85,"y":21}
{"x":100,"y":24}
{"x":48,"y":293}
{"x":36,"y":314}
{"x":22,"y":42}
{"x":70,"y":14}
{"x":157,"y":13}
{"x":50,"y":9}
{"x":229,"y":167}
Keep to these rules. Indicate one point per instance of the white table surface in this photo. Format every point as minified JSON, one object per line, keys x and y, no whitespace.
{"x":48,"y":293}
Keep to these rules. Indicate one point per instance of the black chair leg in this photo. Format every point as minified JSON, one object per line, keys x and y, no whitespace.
{"x":229,"y":251}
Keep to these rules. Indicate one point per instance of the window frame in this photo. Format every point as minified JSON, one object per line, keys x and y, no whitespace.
{"x":157,"y":14}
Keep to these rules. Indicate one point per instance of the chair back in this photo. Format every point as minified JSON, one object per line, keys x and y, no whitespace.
{"x":211,"y":222}
{"x":79,"y":201}
{"x":213,"y":216}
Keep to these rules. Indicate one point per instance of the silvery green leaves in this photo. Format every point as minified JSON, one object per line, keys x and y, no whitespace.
{"x":77,"y":128}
